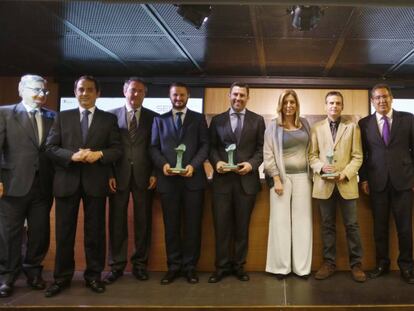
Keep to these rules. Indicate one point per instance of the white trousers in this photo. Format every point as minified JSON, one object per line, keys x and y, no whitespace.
{"x":289,"y":247}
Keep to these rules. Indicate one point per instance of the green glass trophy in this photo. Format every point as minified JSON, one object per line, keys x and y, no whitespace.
{"x":178,"y":169}
{"x":230,"y":166}
{"x":329,"y":158}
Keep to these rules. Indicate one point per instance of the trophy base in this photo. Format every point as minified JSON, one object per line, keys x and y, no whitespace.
{"x":176,"y":170}
{"x":330,"y":176}
{"x":230,"y":168}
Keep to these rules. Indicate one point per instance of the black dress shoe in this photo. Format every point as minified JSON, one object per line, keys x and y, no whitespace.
{"x":407,"y":276}
{"x":241,"y":275}
{"x":191,"y":277}
{"x":113,"y":276}
{"x":36,"y":282}
{"x":280,"y":276}
{"x":217,"y":276}
{"x":169,"y":277}
{"x":140,"y":274}
{"x":378,"y":271}
{"x":56,"y":288}
{"x":96,"y":286}
{"x":6,"y":290}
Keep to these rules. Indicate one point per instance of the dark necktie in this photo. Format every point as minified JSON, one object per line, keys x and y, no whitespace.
{"x":386,"y":130}
{"x":85,"y":124}
{"x":34,"y":124}
{"x":334,"y":129}
{"x":178,"y":122}
{"x":238,"y":129}
{"x":133,"y":126}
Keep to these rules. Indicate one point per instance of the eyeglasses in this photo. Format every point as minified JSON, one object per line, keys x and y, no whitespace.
{"x":378,"y":98}
{"x":38,"y":90}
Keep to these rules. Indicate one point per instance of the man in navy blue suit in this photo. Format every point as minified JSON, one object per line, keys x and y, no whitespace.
{"x":387,"y":175}
{"x":182,"y":194}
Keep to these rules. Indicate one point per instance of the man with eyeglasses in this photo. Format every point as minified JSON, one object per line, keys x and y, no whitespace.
{"x":25,"y":185}
{"x":132,"y":174}
{"x":387,"y":176}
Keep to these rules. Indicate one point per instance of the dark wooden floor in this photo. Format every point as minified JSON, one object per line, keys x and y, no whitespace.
{"x":263,"y":291}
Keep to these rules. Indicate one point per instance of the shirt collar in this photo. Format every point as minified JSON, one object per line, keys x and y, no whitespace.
{"x":184,"y":111}
{"x":379,"y":116}
{"x":30,"y":108}
{"x":243,"y":112}
{"x":92,"y":110}
{"x":129,"y":108}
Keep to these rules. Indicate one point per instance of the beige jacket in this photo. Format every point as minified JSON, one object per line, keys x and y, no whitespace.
{"x":347,"y":151}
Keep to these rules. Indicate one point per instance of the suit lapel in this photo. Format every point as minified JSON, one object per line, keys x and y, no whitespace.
{"x":170,"y":124}
{"x":94,"y":124}
{"x":46,"y":125}
{"x":373,"y":128}
{"x":327,"y":132}
{"x":122,"y":118}
{"x":227,"y":127}
{"x":22,"y":117}
{"x":395,"y":124}
{"x":341,"y":130}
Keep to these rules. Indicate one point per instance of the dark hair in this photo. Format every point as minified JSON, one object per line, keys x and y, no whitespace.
{"x":335,"y":93}
{"x":381,"y":86}
{"x":128,"y":81}
{"x":179,"y":84}
{"x":88,"y":78}
{"x":241,"y":85}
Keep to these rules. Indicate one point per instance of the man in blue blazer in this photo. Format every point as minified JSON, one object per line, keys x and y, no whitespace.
{"x":83,"y":143}
{"x":25,"y":184}
{"x":132,"y":174}
{"x":182,"y":194}
{"x":387,"y":175}
{"x":234,"y":192}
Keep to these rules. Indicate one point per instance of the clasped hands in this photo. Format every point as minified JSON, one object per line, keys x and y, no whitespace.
{"x":86,"y":156}
{"x":242,"y":168}
{"x":189,"y":170}
{"x":330,"y":169}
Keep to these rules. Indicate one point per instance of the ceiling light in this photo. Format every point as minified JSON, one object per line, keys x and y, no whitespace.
{"x":305,"y":17}
{"x":196,"y":15}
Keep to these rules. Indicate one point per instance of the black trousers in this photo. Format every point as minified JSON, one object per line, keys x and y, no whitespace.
{"x":35,"y":208}
{"x":400,"y":204}
{"x":182,"y":212}
{"x":118,"y":226}
{"x":67,"y":209}
{"x":231,"y":215}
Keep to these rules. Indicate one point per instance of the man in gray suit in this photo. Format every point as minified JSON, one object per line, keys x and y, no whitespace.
{"x":25,"y":184}
{"x":387,"y":175}
{"x":133,"y":174}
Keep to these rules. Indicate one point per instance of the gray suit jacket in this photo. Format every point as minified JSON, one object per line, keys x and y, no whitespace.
{"x":21,"y":156}
{"x":136,"y":152}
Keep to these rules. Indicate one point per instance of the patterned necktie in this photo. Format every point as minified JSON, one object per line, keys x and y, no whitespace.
{"x":334,"y":129}
{"x":386,"y":130}
{"x":178,"y":122}
{"x":85,"y":124}
{"x":238,"y":129}
{"x":133,"y":126}
{"x":34,"y":124}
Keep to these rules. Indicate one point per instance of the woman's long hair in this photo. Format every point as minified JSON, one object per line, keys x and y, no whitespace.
{"x":281,"y":117}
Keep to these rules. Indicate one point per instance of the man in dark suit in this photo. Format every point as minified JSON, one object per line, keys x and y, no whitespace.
{"x":234,"y":192}
{"x":25,"y":184}
{"x":182,"y":194}
{"x":133,"y":173}
{"x":83,"y":143}
{"x":387,"y":175}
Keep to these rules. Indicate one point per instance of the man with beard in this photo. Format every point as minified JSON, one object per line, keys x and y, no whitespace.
{"x":182,"y":194}
{"x":26,"y":176}
{"x":234,"y":192}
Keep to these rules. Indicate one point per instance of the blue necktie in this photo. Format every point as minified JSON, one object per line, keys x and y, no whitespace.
{"x":178,"y":122}
{"x":85,"y":124}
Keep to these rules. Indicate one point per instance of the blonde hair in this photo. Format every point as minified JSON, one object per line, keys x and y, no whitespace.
{"x":282,"y":98}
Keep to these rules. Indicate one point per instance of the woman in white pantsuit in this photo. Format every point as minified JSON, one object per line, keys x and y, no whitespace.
{"x":286,"y":163}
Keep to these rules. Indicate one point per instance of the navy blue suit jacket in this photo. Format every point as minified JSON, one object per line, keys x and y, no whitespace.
{"x":165,"y":138}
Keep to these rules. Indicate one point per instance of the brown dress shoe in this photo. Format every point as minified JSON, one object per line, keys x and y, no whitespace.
{"x":357,"y":274}
{"x":325,"y":271}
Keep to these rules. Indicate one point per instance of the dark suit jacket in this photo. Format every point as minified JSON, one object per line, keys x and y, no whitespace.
{"x":395,"y":160}
{"x":136,"y":152}
{"x":165,"y":139}
{"x":249,"y":149}
{"x":65,"y":139}
{"x":21,"y":156}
